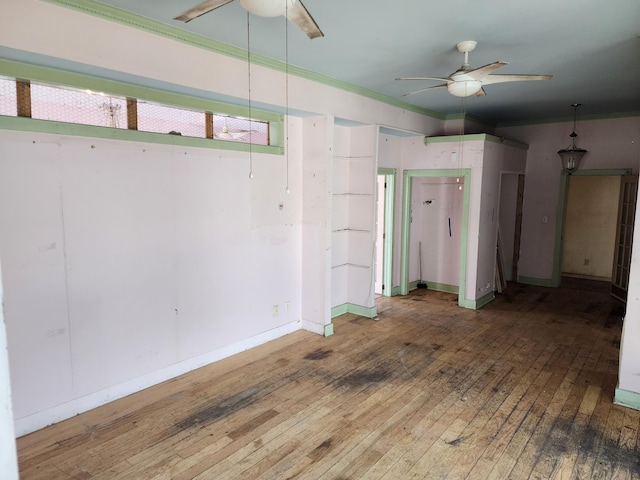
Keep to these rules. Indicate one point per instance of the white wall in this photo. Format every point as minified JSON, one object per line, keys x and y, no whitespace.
{"x":498,"y":160}
{"x":125,"y":260}
{"x":436,"y":201}
{"x":317,"y":178}
{"x":8,"y":454}
{"x":129,"y":263}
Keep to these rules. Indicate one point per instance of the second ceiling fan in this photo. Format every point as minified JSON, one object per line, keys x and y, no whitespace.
{"x":294,"y":10}
{"x":467,"y":81}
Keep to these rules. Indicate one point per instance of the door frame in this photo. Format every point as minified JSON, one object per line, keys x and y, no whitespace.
{"x":409,"y":175}
{"x":563,"y":196}
{"x":390,"y":176}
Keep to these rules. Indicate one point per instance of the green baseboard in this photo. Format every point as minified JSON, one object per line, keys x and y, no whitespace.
{"x":540,"y":282}
{"x":478,"y":303}
{"x":328,"y":330}
{"x":368,"y":312}
{"x":628,"y":399}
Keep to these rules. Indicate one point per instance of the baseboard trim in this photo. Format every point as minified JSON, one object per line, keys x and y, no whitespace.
{"x":540,"y":282}
{"x":368,"y":312}
{"x":478,"y":303}
{"x":628,"y":399}
{"x":66,"y":410}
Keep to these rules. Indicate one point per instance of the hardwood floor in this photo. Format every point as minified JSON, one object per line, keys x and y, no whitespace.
{"x":522,"y":388}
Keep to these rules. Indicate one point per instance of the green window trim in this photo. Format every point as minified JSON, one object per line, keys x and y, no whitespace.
{"x":22,"y":71}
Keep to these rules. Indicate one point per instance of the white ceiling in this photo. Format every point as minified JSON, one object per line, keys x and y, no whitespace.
{"x":591,"y":47}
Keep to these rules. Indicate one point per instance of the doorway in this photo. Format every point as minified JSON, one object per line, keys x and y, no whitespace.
{"x":385,"y":199}
{"x":462,"y":177}
{"x":586,"y":224}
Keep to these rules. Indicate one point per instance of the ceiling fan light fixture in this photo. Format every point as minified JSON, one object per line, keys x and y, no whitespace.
{"x":464,"y":88}
{"x":571,"y":157}
{"x":267,"y":8}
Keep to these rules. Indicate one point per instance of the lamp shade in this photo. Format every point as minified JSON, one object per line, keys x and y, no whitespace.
{"x":267,"y":8}
{"x":570,"y":158}
{"x":464,"y":88}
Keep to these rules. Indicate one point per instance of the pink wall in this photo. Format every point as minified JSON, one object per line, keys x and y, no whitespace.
{"x":613,"y":143}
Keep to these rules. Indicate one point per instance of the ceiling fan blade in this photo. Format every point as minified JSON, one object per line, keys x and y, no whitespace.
{"x":201,"y":9}
{"x":301,"y":18}
{"x":424,"y":89}
{"x":440,"y":79}
{"x":481,"y":93}
{"x":488,"y":80}
{"x":482,"y":72}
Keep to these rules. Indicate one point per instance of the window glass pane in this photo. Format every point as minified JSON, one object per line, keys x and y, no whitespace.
{"x":8,"y":99}
{"x":236,"y":129}
{"x":163,"y":119}
{"x":77,"y":106}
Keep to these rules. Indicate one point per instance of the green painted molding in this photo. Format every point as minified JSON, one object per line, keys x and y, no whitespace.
{"x":442,"y":287}
{"x":433,"y":286}
{"x":540,"y":282}
{"x":328,"y":330}
{"x":486,"y":137}
{"x":368,"y":312}
{"x":482,"y":301}
{"x":628,"y":399}
{"x":339,"y":310}
{"x":55,"y":77}
{"x":395,"y":291}
{"x":123,"y":17}
{"x":74,"y":129}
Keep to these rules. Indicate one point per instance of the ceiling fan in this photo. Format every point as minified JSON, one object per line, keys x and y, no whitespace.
{"x":294,"y":10}
{"x":467,"y":81}
{"x":226,"y":133}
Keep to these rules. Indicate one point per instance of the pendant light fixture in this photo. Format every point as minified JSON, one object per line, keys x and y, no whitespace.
{"x":571,"y":156}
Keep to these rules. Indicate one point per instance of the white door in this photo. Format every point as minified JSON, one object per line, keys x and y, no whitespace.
{"x":380,"y":199}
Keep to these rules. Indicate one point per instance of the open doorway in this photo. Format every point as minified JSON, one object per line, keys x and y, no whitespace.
{"x":588,"y":228}
{"x":460,"y":180}
{"x":385,"y":199}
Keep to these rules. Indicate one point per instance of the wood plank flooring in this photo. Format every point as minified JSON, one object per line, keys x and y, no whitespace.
{"x":522,"y":388}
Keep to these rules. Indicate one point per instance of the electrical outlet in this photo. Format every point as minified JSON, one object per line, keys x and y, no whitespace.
{"x":275,"y":310}
{"x":286,"y":306}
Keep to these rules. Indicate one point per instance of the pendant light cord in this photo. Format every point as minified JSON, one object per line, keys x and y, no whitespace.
{"x":249,"y":95}
{"x":286,"y":80}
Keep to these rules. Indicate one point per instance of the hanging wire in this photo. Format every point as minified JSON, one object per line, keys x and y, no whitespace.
{"x":461,"y":137}
{"x":286,"y":76}
{"x":249,"y":97}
